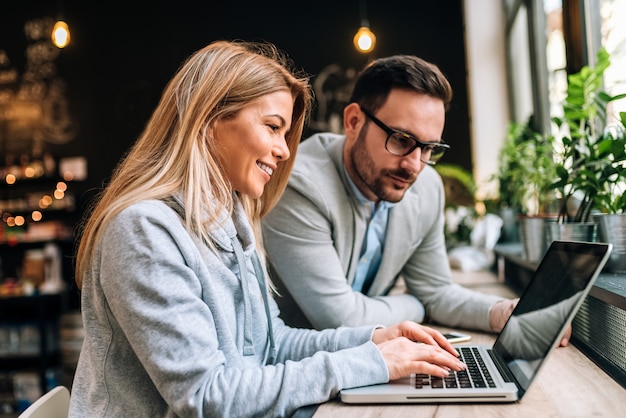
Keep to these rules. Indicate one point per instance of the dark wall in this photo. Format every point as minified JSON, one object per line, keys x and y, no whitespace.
{"x":119,"y":60}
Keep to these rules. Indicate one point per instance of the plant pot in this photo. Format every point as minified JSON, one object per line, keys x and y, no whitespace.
{"x":510,"y":227}
{"x":532,"y":232}
{"x":612,"y":229}
{"x":571,"y":231}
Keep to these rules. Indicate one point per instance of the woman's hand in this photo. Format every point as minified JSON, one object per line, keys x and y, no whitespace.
{"x":403,"y":353}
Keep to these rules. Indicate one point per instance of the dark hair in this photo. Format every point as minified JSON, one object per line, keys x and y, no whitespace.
{"x":379,"y":77}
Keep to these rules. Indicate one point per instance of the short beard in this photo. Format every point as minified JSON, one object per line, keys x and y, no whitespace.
{"x":368,"y":176}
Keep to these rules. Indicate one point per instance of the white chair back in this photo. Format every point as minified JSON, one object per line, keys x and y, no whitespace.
{"x":54,"y":404}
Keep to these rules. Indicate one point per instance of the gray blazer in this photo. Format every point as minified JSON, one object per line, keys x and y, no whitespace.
{"x":313,"y":240}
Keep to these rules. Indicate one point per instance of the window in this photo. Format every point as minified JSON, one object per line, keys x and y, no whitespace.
{"x":548,"y":39}
{"x":613,"y":36}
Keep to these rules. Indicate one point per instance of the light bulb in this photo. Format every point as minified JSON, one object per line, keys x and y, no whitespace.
{"x":364,"y":40}
{"x":60,"y":34}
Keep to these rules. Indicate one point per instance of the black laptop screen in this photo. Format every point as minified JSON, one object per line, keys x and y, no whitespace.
{"x":561,"y":280}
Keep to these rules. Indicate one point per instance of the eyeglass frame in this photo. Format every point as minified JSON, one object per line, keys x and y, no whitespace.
{"x":418,"y":144}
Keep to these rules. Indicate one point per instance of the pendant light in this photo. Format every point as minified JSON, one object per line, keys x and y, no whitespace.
{"x":60,"y":31}
{"x":60,"y":34}
{"x":364,"y":39}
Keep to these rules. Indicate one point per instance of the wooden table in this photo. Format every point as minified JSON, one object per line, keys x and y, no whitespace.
{"x":568,"y":385}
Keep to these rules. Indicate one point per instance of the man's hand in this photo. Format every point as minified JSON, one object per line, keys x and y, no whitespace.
{"x":565,"y":340}
{"x":500,"y":312}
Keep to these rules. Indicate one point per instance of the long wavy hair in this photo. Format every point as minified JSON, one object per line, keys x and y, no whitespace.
{"x":176,"y":155}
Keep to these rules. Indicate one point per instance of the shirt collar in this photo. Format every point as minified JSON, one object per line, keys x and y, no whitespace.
{"x":383,"y":204}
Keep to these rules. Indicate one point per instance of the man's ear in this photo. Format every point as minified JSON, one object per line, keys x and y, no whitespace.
{"x":353,"y":120}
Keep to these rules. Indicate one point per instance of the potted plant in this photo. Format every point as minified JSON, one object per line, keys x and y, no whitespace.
{"x":526,"y":170}
{"x":610,"y":200}
{"x":593,"y":154}
{"x":460,"y":188}
{"x":592,"y":162}
{"x":526,"y":174}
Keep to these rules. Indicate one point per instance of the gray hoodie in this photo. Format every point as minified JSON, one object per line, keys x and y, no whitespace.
{"x":172,"y":328}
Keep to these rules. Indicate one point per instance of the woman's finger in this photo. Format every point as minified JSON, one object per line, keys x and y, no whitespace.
{"x":404,"y":357}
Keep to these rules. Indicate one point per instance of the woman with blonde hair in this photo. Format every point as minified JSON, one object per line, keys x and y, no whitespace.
{"x":177,"y":316}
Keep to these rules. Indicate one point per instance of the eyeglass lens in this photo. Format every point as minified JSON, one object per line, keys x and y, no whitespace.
{"x":400,"y":144}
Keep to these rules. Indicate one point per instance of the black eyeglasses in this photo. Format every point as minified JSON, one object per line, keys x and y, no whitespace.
{"x":400,"y":143}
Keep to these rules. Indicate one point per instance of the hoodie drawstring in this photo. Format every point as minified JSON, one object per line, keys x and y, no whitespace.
{"x":248,"y":346}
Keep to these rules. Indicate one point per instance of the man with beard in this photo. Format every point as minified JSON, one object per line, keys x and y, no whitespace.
{"x":365,"y":208}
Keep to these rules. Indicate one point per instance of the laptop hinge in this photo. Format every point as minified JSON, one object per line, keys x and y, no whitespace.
{"x":502,"y":368}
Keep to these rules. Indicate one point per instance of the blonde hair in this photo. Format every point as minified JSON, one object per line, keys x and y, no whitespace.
{"x":175,"y":153}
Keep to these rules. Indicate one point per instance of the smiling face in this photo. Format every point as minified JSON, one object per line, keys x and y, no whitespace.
{"x":377,"y":173}
{"x":252,"y":143}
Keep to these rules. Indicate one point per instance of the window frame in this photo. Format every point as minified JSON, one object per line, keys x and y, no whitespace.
{"x":582,"y":38}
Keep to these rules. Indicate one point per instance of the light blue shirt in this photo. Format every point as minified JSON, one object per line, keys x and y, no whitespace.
{"x":374,"y":241}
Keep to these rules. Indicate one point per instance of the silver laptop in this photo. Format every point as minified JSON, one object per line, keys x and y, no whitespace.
{"x":505,"y":371}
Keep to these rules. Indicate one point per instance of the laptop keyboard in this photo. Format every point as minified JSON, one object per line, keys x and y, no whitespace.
{"x":475,"y":375}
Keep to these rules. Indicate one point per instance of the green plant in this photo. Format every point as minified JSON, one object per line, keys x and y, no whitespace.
{"x":611,"y":195}
{"x":460,"y":189}
{"x":593,"y":157}
{"x":459,"y":184}
{"x":526,"y":169}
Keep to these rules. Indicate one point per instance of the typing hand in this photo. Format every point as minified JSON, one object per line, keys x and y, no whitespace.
{"x":500,"y":312}
{"x":414,"y":332}
{"x":403,"y":356}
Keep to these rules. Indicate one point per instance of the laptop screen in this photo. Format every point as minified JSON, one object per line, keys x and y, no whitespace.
{"x":560,"y":282}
